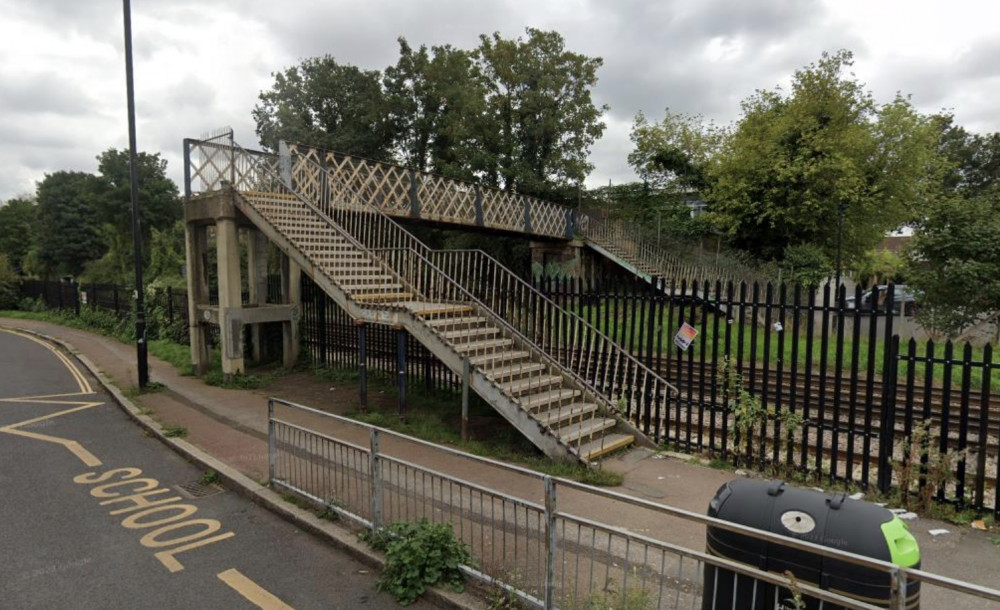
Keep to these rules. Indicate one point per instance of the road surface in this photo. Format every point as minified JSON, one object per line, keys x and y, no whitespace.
{"x":95,"y":514}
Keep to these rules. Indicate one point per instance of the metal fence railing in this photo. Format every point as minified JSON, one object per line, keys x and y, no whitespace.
{"x":540,"y":552}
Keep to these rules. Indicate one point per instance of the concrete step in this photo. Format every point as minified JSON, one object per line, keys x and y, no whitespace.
{"x":456,"y":322}
{"x":488,"y":346}
{"x":381,"y":297}
{"x":542,"y":401}
{"x":531,"y":385}
{"x":600,"y":447}
{"x":575,"y":431}
{"x":367,"y":287}
{"x":489,"y":362}
{"x":514,"y":371}
{"x":438,"y":311}
{"x":556,"y":416}
{"x":468,"y":334}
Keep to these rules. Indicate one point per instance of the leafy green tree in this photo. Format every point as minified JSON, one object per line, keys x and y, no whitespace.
{"x":880,"y":266}
{"x":167,"y":257}
{"x":159,"y":208}
{"x":159,"y":200}
{"x":329,"y":105}
{"x":68,"y":226}
{"x":973,"y":159}
{"x":8,"y":283}
{"x":805,"y":264}
{"x":539,"y":121}
{"x":435,"y":101}
{"x":954,"y":263}
{"x":673,"y":154}
{"x":795,"y":163}
{"x":17,"y":217}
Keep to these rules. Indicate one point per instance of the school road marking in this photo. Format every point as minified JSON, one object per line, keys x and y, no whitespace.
{"x":250,"y":590}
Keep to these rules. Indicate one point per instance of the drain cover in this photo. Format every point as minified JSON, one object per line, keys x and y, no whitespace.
{"x":197,"y":489}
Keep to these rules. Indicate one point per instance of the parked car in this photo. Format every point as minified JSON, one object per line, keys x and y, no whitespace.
{"x":903,"y":300}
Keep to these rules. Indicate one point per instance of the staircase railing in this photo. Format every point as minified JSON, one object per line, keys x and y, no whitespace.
{"x":256,"y":173}
{"x":593,"y":358}
{"x":579,"y":350}
{"x":631,"y":242}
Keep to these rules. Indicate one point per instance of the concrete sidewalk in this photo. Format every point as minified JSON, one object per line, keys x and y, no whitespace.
{"x":231,"y":425}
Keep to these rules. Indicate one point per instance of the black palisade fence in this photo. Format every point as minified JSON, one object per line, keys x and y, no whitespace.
{"x":776,"y":376}
{"x":801,"y":379}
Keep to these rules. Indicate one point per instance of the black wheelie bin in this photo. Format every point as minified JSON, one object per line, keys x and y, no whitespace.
{"x":827,"y":519}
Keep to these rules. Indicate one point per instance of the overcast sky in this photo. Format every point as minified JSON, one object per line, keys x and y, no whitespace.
{"x":201,"y":64}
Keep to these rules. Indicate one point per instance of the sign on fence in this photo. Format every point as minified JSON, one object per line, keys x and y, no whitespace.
{"x":83,"y":297}
{"x":685,"y":335}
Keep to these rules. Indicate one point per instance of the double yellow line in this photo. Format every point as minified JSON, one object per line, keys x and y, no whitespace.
{"x":88,"y":458}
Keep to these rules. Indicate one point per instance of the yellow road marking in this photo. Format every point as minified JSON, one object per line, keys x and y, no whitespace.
{"x":80,"y":379}
{"x":254,"y":593}
{"x":74,"y":447}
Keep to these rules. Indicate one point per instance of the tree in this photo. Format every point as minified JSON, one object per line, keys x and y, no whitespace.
{"x":539,"y":121}
{"x":954,"y":263}
{"x":973,"y":159}
{"x":68,"y":234}
{"x":8,"y":283}
{"x":796,"y":164}
{"x":159,"y":209}
{"x":435,"y":102}
{"x":17,"y":217}
{"x":674,"y":153}
{"x":329,"y":105}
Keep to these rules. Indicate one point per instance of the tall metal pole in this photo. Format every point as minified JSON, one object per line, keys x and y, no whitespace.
{"x":140,"y":306}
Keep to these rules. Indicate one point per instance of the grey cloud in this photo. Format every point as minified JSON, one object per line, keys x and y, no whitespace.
{"x":45,"y":93}
{"x":97,"y":18}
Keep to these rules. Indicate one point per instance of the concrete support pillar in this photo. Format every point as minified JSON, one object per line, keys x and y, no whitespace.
{"x":257,"y":270}
{"x":291,"y":289}
{"x":196,"y":244}
{"x":230,"y":297}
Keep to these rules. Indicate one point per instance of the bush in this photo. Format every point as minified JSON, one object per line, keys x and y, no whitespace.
{"x":418,"y":555}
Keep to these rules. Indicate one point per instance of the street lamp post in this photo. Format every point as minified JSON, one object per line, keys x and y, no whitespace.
{"x":140,"y":306}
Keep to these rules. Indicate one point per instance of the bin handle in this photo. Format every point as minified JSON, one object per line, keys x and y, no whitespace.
{"x":836,"y":501}
{"x":776,"y":488}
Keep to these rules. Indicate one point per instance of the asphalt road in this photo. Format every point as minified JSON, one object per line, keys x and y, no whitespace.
{"x":92,"y":514}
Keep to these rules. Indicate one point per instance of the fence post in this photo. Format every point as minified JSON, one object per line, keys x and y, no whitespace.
{"x":401,"y":370}
{"x":270,"y":441}
{"x":897,"y":589}
{"x":363,"y":363}
{"x":890,"y":366}
{"x":375,"y":470}
{"x":75,"y":289}
{"x":551,"y":541}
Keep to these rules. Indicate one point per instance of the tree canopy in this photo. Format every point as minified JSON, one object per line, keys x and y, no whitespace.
{"x":69,"y":231}
{"x":17,"y":217}
{"x":795,"y":162}
{"x":329,"y":105}
{"x":515,"y":114}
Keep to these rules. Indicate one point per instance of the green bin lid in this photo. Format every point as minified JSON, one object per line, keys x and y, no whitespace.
{"x":902,"y":545}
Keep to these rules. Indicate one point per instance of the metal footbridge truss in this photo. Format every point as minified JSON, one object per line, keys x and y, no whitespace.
{"x":567,"y":387}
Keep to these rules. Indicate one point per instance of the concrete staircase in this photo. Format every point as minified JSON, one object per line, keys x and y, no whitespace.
{"x":552,"y":408}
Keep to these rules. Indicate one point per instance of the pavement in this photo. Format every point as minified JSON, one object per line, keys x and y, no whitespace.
{"x":229,"y":427}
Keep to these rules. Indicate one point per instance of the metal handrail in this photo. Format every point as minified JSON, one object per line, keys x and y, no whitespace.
{"x":886,"y":567}
{"x":610,"y":350}
{"x":272,"y":181}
